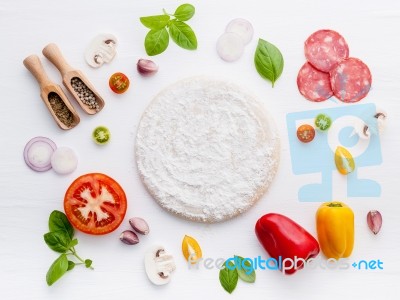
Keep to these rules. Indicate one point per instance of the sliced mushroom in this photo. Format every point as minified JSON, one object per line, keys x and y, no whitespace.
{"x":159,"y":265}
{"x":101,"y":49}
{"x":362,"y":130}
{"x":381,"y":117}
{"x":366,"y":129}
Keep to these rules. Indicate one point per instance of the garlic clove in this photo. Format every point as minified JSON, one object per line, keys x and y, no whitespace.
{"x":146,"y":67}
{"x":139,"y":225}
{"x":374,"y":221}
{"x":129,"y":237}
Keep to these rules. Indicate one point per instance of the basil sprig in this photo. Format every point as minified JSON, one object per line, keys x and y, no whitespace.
{"x":228,"y":277}
{"x":58,"y":268}
{"x":244,"y":273}
{"x":61,"y":239}
{"x":157,"y":39}
{"x":231,"y":271}
{"x":268,"y":61}
{"x":184,"y":12}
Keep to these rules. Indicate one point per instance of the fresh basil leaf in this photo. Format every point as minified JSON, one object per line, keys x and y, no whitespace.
{"x":156,"y":41}
{"x":245,"y":269}
{"x":71,"y":265}
{"x":58,"y":241}
{"x":73,"y":243}
{"x":57,"y":269}
{"x":268,"y":61}
{"x":184,"y":12}
{"x":183,"y":35}
{"x":88,"y":263}
{"x":228,"y":277}
{"x":58,"y":221}
{"x":155,"y":22}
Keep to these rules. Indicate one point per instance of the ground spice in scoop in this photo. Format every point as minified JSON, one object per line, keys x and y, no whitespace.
{"x":60,"y":109}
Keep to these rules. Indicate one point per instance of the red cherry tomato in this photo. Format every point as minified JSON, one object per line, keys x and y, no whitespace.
{"x":305,"y":133}
{"x":119,"y":83}
{"x":95,"y":204}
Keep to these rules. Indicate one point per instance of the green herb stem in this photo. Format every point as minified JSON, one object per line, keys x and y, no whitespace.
{"x":166,"y":13}
{"x":335,"y":204}
{"x":73,"y":252}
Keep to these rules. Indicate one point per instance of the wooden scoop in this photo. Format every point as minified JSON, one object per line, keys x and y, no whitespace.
{"x":53,"y":53}
{"x":49,"y":88}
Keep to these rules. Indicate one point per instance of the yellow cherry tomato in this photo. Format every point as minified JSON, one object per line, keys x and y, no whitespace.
{"x":344,"y":161}
{"x":191,"y":249}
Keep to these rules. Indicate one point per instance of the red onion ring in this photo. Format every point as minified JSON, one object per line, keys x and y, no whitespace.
{"x":38,"y":152}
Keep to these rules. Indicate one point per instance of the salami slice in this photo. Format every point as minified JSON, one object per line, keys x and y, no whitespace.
{"x":351,"y":80}
{"x":325,"y":48}
{"x":314,"y":84}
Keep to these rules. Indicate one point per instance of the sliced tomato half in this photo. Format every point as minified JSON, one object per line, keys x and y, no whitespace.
{"x":119,"y":83}
{"x":95,"y":204}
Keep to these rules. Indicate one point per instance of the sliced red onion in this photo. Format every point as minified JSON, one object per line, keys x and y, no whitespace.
{"x":38,"y":152}
{"x":241,"y":27}
{"x":64,"y":160}
{"x":230,"y":46}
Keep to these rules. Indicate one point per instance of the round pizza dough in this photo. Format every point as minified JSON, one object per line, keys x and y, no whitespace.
{"x":206,"y":150}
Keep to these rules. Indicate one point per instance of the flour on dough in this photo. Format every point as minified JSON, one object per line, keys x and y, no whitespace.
{"x":206,"y":149}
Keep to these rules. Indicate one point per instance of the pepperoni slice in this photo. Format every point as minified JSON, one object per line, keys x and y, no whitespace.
{"x":325,"y":48}
{"x":351,"y":80}
{"x":313,"y":84}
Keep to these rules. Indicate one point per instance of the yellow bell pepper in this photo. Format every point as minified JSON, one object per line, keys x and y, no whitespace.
{"x":335,"y":229}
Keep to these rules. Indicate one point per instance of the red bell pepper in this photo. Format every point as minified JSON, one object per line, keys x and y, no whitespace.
{"x":286,"y":242}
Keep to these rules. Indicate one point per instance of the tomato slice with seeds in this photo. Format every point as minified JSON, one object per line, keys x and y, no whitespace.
{"x":119,"y":83}
{"x":323,"y":122}
{"x":95,"y":204}
{"x":305,"y":133}
{"x":101,"y":135}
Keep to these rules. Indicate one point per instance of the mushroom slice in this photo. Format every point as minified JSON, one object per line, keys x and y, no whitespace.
{"x":373,"y":125}
{"x":101,"y":49}
{"x":362,"y":130}
{"x":381,"y":117}
{"x":159,"y":265}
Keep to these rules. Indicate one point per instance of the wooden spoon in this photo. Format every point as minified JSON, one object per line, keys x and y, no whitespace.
{"x":53,"y":53}
{"x":49,"y":88}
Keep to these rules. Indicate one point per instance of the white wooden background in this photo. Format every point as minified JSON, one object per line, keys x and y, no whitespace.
{"x":372,"y":29}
